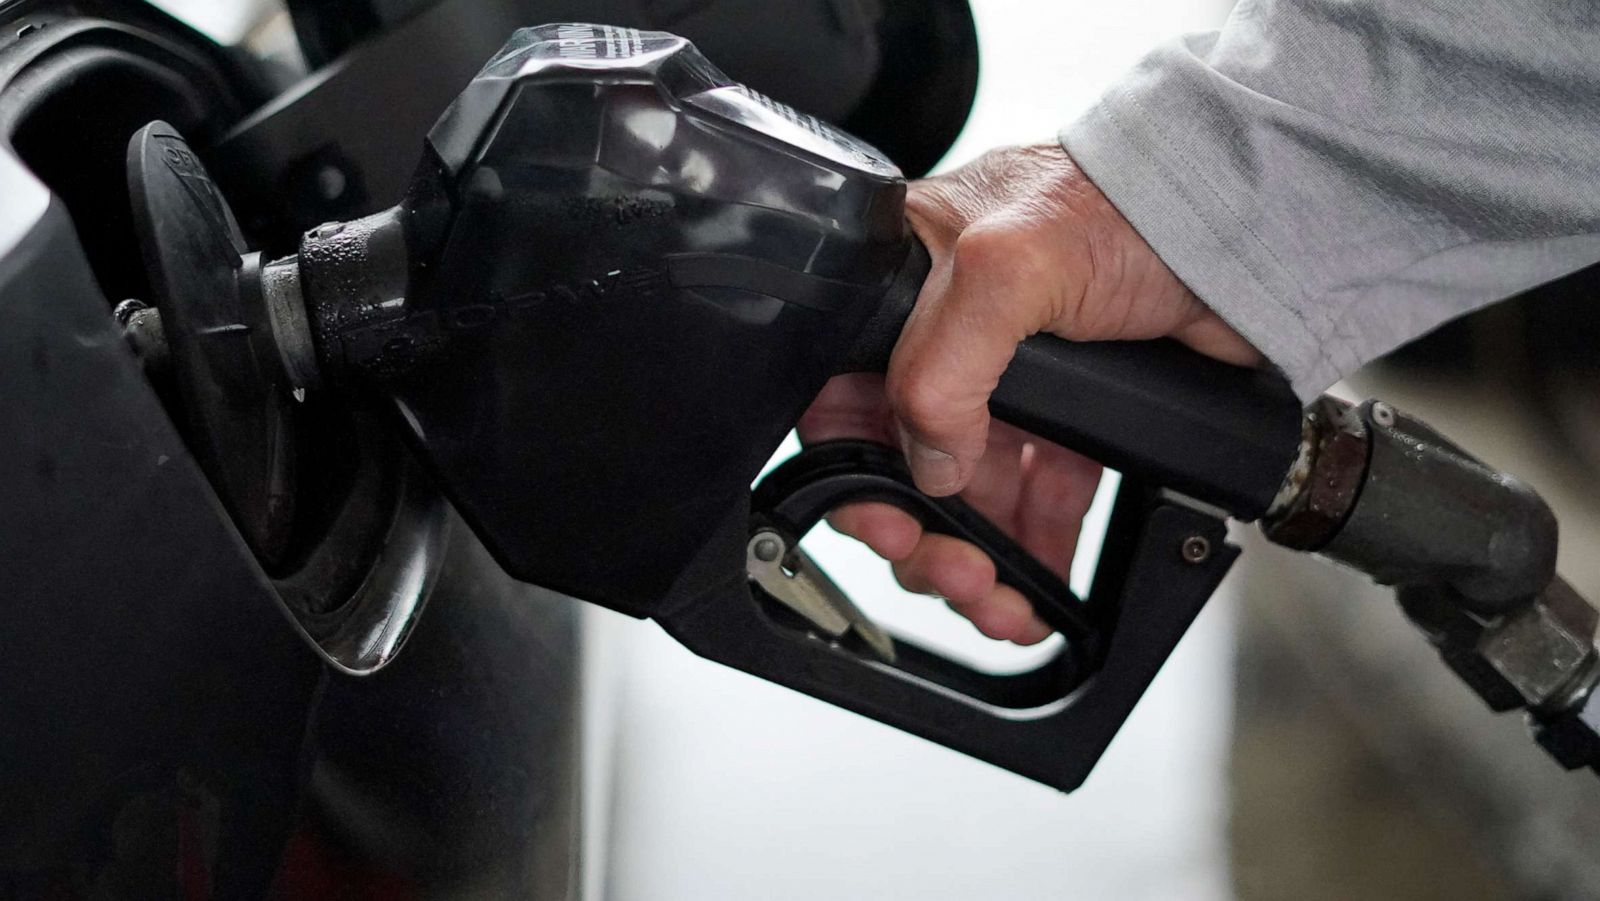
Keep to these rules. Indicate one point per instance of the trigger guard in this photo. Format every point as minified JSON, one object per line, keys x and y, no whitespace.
{"x":825,"y":476}
{"x":1051,"y":723}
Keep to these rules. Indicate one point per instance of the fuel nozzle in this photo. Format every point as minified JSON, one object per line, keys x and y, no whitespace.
{"x":613,"y":260}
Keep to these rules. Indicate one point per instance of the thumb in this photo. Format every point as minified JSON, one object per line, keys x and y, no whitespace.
{"x":988,"y":294}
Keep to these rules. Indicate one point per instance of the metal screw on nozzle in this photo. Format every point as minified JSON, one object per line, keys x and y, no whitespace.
{"x":1382,"y":414}
{"x":1196,"y":549}
{"x":768,"y":549}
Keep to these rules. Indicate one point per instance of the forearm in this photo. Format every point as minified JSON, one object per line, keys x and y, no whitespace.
{"x":1335,"y":178}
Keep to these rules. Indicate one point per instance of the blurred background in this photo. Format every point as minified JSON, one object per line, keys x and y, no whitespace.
{"x":1304,"y":741}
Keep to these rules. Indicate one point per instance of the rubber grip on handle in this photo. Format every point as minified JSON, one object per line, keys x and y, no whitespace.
{"x":1222,"y":434}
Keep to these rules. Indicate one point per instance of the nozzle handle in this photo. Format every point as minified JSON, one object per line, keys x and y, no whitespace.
{"x":1051,"y":722}
{"x":1222,"y":434}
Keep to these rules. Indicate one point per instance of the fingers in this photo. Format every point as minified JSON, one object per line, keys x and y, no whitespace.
{"x":1212,"y":336}
{"x":854,"y":406}
{"x":996,"y":482}
{"x":1005,"y":263}
{"x":1038,"y":492}
{"x":1033,"y":490}
{"x":849,"y":406}
{"x":982,"y":300}
{"x":889,"y":531}
{"x":948,"y":567}
{"x":1005,"y":615}
{"x":965,"y":577}
{"x":1057,"y":487}
{"x":1022,"y":242}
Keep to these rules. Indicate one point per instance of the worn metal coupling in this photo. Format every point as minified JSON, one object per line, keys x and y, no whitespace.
{"x":1382,"y":492}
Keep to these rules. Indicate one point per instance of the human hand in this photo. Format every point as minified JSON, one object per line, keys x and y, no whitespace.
{"x":1022,"y":242}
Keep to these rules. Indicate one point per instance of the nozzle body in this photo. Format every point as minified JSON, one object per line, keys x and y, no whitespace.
{"x":615,"y":283}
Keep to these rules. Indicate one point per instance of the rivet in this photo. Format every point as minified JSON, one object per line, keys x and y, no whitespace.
{"x":1196,"y":549}
{"x":768,"y":549}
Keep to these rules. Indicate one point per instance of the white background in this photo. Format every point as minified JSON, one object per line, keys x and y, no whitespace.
{"x":725,"y":787}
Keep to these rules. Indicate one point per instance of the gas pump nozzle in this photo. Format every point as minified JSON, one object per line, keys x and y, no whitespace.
{"x":618,"y":279}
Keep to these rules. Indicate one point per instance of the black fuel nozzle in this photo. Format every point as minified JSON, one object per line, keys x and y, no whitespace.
{"x":614,"y":285}
{"x":615,"y":282}
{"x":619,"y":277}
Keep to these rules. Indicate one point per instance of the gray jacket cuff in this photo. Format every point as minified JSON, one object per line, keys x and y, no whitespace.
{"x":1159,"y":182}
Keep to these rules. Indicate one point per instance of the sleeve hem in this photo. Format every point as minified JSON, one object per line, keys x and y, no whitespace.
{"x":1183,"y":217}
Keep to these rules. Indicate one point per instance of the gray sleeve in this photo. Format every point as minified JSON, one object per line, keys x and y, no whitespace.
{"x":1336,"y":177}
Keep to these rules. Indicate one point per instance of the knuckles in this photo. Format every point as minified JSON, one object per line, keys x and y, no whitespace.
{"x":1009,"y":276}
{"x":917,"y":398}
{"x":982,"y":247}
